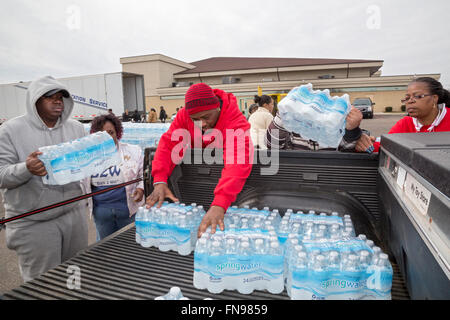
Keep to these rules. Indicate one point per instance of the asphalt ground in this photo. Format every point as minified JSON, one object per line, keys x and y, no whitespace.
{"x":9,"y":269}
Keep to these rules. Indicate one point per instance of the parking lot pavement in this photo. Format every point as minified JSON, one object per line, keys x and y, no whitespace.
{"x":9,"y":269}
{"x":381,"y":123}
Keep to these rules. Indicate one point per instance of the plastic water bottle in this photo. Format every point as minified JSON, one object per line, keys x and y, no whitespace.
{"x":231,"y":280}
{"x":274,"y":262}
{"x":215,"y":256}
{"x":200,"y":264}
{"x":183,"y":233}
{"x":379,"y":282}
{"x":244,"y":258}
{"x":299,"y":289}
{"x":283,"y":231}
{"x":138,"y":223}
{"x":173,"y":294}
{"x":352,"y":274}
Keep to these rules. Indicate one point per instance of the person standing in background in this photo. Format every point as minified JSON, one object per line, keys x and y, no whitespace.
{"x":260,"y":120}
{"x":152,"y":116}
{"x":427,"y":105}
{"x":115,"y":209}
{"x":162,"y":114}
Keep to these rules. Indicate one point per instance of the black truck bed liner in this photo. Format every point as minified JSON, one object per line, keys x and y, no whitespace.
{"x":118,"y":268}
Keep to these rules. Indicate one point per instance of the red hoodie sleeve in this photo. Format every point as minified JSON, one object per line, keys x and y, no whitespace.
{"x":163,"y":164}
{"x":237,"y":167}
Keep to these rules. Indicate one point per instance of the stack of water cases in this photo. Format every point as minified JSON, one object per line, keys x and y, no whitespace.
{"x":172,"y":227}
{"x":78,"y":159}
{"x":247,"y":256}
{"x":315,"y":115}
{"x":145,"y":135}
{"x":324,"y":260}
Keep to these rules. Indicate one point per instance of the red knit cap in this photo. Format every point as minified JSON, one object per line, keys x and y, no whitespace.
{"x":200,"y":97}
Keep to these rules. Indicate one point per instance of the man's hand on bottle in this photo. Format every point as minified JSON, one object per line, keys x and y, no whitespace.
{"x":212,"y":218}
{"x":160,"y":192}
{"x":353,"y":119}
{"x":35,"y":165}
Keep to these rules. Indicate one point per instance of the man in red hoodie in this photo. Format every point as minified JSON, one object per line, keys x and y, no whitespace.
{"x":210,"y":119}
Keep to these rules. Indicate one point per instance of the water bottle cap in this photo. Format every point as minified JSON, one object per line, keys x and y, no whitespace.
{"x":323,"y":214}
{"x":259,"y":241}
{"x":274,"y":244}
{"x":266,"y":208}
{"x":175,"y":290}
{"x":302,"y":254}
{"x":334,"y":213}
{"x":231,"y":241}
{"x":384,"y":256}
{"x":254,"y":208}
{"x":193,"y":204}
{"x":300,"y":212}
{"x":322,"y":227}
{"x":364,"y":253}
{"x":334,"y":254}
{"x":216,"y":243}
{"x":245,"y":244}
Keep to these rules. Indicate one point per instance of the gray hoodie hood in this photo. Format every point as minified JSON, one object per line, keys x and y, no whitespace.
{"x":37,"y":89}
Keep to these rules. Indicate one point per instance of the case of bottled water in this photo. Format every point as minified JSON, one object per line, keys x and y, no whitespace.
{"x":171,"y":227}
{"x":315,"y":115}
{"x":246,"y":256}
{"x":78,"y":159}
{"x":145,"y":135}
{"x":346,"y":269}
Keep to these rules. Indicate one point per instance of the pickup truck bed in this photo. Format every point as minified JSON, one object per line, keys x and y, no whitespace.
{"x":119,"y":268}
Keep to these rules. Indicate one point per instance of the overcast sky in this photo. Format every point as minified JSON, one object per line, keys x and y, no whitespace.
{"x":71,"y":38}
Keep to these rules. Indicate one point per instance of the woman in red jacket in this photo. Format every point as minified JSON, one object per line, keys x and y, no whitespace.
{"x":427,"y":105}
{"x":210,"y":119}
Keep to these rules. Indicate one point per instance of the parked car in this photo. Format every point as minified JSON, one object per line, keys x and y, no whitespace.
{"x":365,"y":105}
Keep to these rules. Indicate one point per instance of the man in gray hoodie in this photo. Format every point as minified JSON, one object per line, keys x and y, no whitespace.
{"x":45,"y":240}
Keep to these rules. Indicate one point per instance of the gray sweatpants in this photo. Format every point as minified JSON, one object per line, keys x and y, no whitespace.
{"x":45,"y":245}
